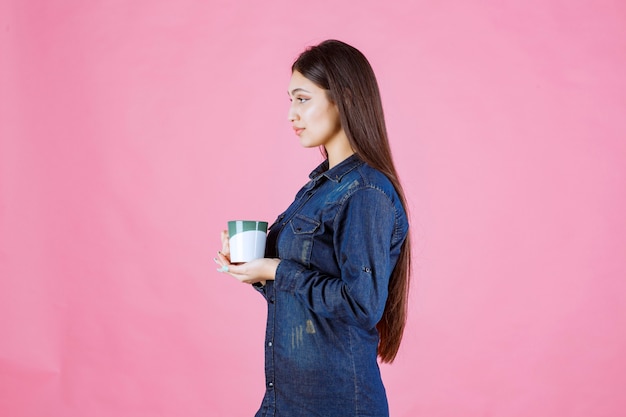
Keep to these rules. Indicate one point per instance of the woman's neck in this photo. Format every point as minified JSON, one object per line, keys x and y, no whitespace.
{"x":338,"y":151}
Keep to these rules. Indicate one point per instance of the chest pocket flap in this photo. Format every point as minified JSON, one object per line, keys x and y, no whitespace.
{"x":301,"y":225}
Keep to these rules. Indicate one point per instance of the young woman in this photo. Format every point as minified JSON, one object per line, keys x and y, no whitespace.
{"x":336,"y":271}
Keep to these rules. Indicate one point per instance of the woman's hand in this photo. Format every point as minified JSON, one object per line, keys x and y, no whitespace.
{"x":258,"y":270}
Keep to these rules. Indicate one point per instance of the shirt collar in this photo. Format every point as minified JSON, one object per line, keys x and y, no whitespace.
{"x":338,"y":171}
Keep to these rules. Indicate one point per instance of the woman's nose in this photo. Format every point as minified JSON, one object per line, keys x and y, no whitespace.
{"x":292,"y":115}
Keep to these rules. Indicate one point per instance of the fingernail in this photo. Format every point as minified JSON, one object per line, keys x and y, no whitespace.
{"x":224,"y":268}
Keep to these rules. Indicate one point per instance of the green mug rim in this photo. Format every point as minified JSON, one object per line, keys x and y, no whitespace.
{"x":246,"y":226}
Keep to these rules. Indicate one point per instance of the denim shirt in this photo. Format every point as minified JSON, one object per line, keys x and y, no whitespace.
{"x":338,"y":243}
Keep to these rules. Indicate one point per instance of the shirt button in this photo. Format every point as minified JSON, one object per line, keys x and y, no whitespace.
{"x":270,"y":344}
{"x":272,"y":300}
{"x":270,"y":384}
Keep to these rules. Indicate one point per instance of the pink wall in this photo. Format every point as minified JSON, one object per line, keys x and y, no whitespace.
{"x":130,"y":132}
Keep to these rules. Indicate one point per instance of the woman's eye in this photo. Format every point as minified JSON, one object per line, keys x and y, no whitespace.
{"x":299,"y":99}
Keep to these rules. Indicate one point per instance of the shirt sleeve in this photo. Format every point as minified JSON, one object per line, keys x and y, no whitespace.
{"x":362,"y":240}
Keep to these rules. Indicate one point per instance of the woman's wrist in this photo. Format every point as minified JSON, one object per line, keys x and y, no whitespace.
{"x":272,"y":268}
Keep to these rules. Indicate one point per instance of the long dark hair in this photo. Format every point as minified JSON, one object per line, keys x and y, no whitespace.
{"x":346,"y":75}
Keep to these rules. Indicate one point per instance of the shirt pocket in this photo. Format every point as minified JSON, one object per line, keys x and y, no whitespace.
{"x":300,"y":243}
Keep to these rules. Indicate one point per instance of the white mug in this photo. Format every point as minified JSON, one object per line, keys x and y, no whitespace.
{"x":246,"y":240}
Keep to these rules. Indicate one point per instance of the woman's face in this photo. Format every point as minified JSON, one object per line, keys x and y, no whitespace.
{"x":315,"y":119}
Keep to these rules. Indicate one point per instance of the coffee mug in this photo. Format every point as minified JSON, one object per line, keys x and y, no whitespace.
{"x":246,"y":240}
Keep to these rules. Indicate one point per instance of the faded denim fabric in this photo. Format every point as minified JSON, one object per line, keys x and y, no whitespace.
{"x":338,"y":243}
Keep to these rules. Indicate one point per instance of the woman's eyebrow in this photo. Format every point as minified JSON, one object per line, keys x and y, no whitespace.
{"x":298,"y":90}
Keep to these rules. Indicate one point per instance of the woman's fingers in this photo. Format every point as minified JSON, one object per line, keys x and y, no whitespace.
{"x":243,"y":272}
{"x":221,"y":262}
{"x":225,"y":243}
{"x":223,"y":256}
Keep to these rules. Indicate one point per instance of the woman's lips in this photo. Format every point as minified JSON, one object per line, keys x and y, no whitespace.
{"x":298,"y":130}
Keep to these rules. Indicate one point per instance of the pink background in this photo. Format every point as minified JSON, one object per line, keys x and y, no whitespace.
{"x":131,"y":131}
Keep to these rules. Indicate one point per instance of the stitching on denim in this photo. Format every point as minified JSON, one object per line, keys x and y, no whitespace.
{"x":354,"y":378}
